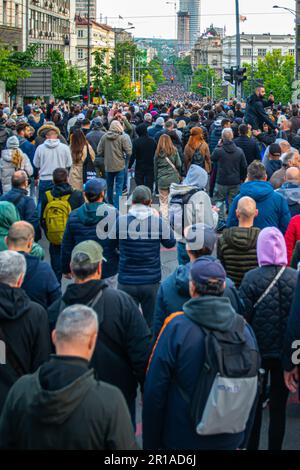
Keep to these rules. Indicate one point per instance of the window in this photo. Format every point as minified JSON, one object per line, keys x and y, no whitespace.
{"x":17,"y":16}
{"x":4,"y":20}
{"x":80,"y":33}
{"x":247,"y":52}
{"x":80,"y":53}
{"x":291,"y":51}
{"x":262,"y":52}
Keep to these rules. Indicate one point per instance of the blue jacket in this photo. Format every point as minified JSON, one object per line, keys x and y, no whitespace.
{"x":140,"y":257}
{"x":174,"y":292}
{"x":214,"y":137}
{"x":90,"y":222}
{"x":29,"y":149}
{"x":36,"y":125}
{"x":26,"y":208}
{"x":40,"y":283}
{"x":152,"y":131}
{"x":175,"y":366}
{"x":250,"y":147}
{"x":273,"y":209}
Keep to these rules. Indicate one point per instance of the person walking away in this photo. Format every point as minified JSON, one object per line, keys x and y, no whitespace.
{"x":175,"y":389}
{"x":12,"y":159}
{"x":50,"y":155}
{"x":231,"y":172}
{"x":23,"y":325}
{"x":56,"y":206}
{"x":237,"y":245}
{"x":115,"y":146}
{"x":140,"y":264}
{"x":91,"y":415}
{"x":143,"y":154}
{"x":96,"y":133}
{"x":40,"y":283}
{"x":249,"y":145}
{"x":25,"y":205}
{"x":123,"y":344}
{"x":274,"y":163}
{"x":267,"y":293}
{"x":196,"y":151}
{"x":83,"y":156}
{"x":190,"y":204}
{"x":167,"y":167}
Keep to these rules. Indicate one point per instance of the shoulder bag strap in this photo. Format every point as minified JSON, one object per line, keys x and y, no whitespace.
{"x":173,"y":166}
{"x":270,"y":287}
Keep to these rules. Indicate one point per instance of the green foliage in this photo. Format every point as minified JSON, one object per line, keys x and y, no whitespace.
{"x":156,"y":71}
{"x":205,"y":76}
{"x":277,"y":73}
{"x":183,"y":67}
{"x":10,"y":71}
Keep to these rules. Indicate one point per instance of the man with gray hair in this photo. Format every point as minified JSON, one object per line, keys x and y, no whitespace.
{"x":63,"y":394}
{"x":231,"y":165}
{"x":237,"y":245}
{"x":290,"y":190}
{"x":23,"y":325}
{"x":288,"y":159}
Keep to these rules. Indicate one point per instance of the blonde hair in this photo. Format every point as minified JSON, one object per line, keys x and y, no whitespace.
{"x":165,"y":147}
{"x":17,"y":159}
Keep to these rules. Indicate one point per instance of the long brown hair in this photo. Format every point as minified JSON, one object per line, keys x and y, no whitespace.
{"x":17,"y":159}
{"x":196,"y":138}
{"x":165,"y":147}
{"x":77,"y":145}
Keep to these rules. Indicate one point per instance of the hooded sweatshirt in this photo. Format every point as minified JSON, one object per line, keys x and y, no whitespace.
{"x":8,"y":216}
{"x":198,"y":208}
{"x":114,"y":146}
{"x":291,"y":192}
{"x":7,"y":168}
{"x":63,"y":394}
{"x":232,"y":164}
{"x":50,"y":155}
{"x":273,"y":210}
{"x":271,"y":248}
{"x":237,"y":251}
{"x":25,"y":327}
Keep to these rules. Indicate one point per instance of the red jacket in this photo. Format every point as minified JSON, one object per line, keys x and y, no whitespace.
{"x":292,"y":235}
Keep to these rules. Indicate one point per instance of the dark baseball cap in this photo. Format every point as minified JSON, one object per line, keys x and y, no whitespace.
{"x":275,"y":149}
{"x":95,"y":186}
{"x":206,"y":269}
{"x":199,"y":236}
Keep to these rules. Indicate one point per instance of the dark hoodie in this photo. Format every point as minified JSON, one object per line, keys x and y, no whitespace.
{"x":232,"y":164}
{"x":25,"y":327}
{"x":291,"y":192}
{"x":255,"y":113}
{"x":175,"y":367}
{"x":123,"y":345}
{"x":174,"y":292}
{"x":237,"y":251}
{"x":272,"y":166}
{"x":273,"y":210}
{"x":64,"y":395}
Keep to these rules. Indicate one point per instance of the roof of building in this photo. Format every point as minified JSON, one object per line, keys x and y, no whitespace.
{"x":82,"y":21}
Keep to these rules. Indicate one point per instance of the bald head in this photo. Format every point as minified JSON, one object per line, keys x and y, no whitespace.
{"x":292,"y":175}
{"x":19,"y":179}
{"x":246,"y":211}
{"x":20,"y":237}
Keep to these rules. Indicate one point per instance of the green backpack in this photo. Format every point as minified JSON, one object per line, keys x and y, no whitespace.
{"x":56,"y":215}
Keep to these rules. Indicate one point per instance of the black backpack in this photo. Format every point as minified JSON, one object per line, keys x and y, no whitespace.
{"x":228,"y":384}
{"x":88,"y":170}
{"x":198,"y":158}
{"x":177,"y":211}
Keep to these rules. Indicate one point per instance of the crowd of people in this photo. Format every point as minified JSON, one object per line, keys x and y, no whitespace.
{"x":99,"y":190}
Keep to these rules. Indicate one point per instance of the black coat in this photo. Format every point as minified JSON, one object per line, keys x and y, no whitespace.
{"x":250,"y":147}
{"x":63,"y":407}
{"x":269,"y":319}
{"x":25,"y":327}
{"x":143,"y":152}
{"x":232,"y":164}
{"x":255,"y":113}
{"x":123,"y":346}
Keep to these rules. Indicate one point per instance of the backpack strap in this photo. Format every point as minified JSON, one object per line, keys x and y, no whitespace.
{"x":49,"y":196}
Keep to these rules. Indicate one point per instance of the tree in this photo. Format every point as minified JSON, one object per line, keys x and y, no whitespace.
{"x":156,"y":71}
{"x":276,"y":71}
{"x":100,"y":73}
{"x":183,"y":68}
{"x":203,"y":78}
{"x":10,"y":71}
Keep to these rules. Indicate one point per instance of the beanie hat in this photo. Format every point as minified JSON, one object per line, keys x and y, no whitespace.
{"x":13,"y":142}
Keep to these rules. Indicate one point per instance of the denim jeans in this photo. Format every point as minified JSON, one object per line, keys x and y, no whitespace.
{"x":144,"y":295}
{"x":55,"y":259}
{"x":115,"y":178}
{"x":182,"y":256}
{"x":222,"y":196}
{"x":44,"y":186}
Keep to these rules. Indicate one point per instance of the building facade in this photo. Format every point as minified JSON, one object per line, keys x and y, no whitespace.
{"x":255,"y":46}
{"x":208,"y":51}
{"x":50,"y":23}
{"x":193,"y":8}
{"x":183,"y":30}
{"x":82,"y":8}
{"x":102,"y":37}
{"x":11,"y":23}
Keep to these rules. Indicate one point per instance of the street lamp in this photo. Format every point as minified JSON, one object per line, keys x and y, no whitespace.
{"x":297,"y":38}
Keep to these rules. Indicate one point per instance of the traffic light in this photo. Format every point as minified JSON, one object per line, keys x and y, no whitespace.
{"x":240,"y":75}
{"x":229,"y":75}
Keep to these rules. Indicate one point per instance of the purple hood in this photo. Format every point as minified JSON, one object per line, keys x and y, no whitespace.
{"x":271,"y":248}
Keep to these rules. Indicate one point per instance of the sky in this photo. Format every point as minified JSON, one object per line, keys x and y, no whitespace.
{"x":158,"y":17}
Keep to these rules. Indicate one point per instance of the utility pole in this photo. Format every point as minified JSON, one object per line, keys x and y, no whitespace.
{"x":89,"y":53}
{"x":27,"y":24}
{"x":238,"y":46}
